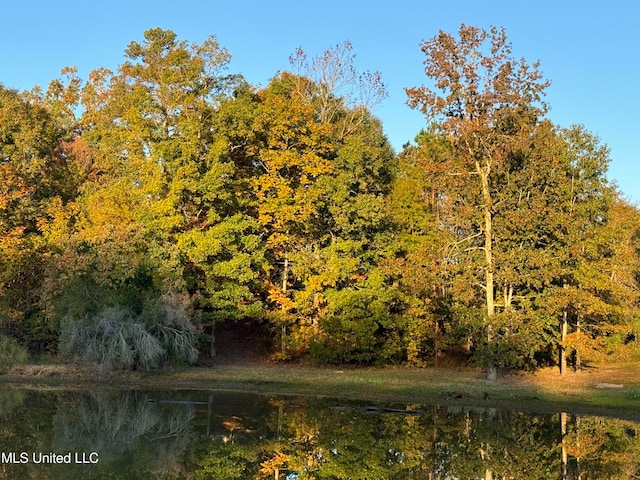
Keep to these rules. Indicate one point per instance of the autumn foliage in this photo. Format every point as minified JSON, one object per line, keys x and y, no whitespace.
{"x":143,"y":208}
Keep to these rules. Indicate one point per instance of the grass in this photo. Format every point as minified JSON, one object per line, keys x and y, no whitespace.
{"x":612,"y":390}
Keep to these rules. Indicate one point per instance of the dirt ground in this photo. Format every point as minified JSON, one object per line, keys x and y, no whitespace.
{"x":602,"y":376}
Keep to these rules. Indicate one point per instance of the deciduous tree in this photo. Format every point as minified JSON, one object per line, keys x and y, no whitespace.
{"x":487,"y":102}
{"x":161,"y":177}
{"x":34,"y":175}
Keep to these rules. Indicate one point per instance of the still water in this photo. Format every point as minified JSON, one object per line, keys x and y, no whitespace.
{"x":125,"y":434}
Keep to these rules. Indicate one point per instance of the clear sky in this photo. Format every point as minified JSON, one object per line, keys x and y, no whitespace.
{"x":589,"y":50}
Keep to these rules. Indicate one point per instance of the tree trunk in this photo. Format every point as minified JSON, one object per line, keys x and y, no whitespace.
{"x":508,"y":297}
{"x":577,"y":364}
{"x":563,"y":350}
{"x":563,"y":447}
{"x":436,"y":344}
{"x":578,"y":444}
{"x":488,"y":257}
{"x":285,"y":280}
{"x":563,"y":335}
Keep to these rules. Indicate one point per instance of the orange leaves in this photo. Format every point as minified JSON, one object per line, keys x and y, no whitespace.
{"x":81,"y":154}
{"x":278,"y":298}
{"x":12,"y":186}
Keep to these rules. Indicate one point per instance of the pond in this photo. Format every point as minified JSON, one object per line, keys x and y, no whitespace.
{"x":56,"y":434}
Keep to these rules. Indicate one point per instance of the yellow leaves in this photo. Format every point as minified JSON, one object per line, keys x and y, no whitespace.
{"x":317,"y":283}
{"x":55,"y":225}
{"x":299,"y":339}
{"x":279,"y":298}
{"x":105,"y":231}
{"x":284,"y":189}
{"x":106,"y":210}
{"x":274,"y":466}
{"x":585,"y":301}
{"x":581,"y":342}
{"x":594,"y":440}
{"x":12,"y":245}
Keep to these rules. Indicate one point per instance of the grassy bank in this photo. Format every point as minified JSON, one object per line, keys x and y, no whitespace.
{"x":604,"y":390}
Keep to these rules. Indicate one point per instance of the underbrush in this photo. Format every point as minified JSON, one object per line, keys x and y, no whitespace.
{"x":11,"y":353}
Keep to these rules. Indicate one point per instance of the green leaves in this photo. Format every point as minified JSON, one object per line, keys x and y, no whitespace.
{"x":163,"y":185}
{"x":286,"y":205}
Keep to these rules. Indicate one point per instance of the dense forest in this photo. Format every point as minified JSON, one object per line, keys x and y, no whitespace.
{"x":141,"y":208}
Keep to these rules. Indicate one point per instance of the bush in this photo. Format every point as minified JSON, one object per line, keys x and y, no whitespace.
{"x":117,"y":338}
{"x":517,"y":338}
{"x":346,"y":340}
{"x":361,"y":331}
{"x":11,"y":353}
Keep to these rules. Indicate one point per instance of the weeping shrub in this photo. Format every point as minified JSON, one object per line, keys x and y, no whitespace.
{"x":170,"y":321}
{"x":11,"y":353}
{"x":117,"y":338}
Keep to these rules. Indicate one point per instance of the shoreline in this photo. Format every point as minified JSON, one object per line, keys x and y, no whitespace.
{"x":605,"y":390}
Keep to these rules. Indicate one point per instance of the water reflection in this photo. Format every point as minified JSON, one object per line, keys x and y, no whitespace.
{"x":125,"y":429}
{"x":10,"y":399}
{"x":216,"y":435}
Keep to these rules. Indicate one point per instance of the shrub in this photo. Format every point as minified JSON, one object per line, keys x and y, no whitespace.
{"x":360,"y":331}
{"x":117,"y":338}
{"x":346,"y":340}
{"x":11,"y":353}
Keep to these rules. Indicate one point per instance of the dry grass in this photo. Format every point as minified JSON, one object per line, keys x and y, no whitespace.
{"x":601,"y":377}
{"x":606,"y":390}
{"x":41,"y":371}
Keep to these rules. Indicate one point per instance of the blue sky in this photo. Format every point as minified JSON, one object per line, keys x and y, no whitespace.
{"x":589,"y":50}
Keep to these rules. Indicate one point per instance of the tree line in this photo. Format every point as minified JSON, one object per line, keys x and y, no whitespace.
{"x":144,"y":206}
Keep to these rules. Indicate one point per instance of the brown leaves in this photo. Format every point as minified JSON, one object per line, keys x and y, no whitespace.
{"x":476,"y":77}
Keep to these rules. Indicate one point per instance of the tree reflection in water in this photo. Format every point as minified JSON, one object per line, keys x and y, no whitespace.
{"x":124,"y":427}
{"x":319,"y":440}
{"x":226,"y":436}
